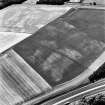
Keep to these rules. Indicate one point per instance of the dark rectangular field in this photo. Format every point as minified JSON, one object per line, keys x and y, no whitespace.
{"x":67,"y":46}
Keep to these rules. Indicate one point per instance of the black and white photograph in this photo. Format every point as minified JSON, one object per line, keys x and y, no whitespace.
{"x":52,"y":52}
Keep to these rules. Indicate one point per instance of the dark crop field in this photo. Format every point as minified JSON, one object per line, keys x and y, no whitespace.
{"x":67,"y":46}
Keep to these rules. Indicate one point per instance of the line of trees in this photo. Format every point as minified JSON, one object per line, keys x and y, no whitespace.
{"x":57,"y":2}
{"x":52,"y":2}
{"x":4,"y":3}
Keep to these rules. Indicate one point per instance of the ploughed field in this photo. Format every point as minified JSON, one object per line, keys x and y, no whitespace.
{"x":55,"y":54}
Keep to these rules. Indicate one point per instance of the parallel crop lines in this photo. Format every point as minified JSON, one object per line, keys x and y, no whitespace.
{"x":18,"y":81}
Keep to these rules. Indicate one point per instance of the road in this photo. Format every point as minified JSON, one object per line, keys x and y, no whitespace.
{"x":75,"y":95}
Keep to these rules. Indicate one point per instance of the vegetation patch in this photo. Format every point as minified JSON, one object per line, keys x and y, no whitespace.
{"x":95,"y":100}
{"x":52,"y":2}
{"x":99,"y":74}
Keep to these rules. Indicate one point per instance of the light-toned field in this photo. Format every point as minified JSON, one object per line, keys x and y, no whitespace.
{"x":29,"y":18}
{"x":18,"y":81}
